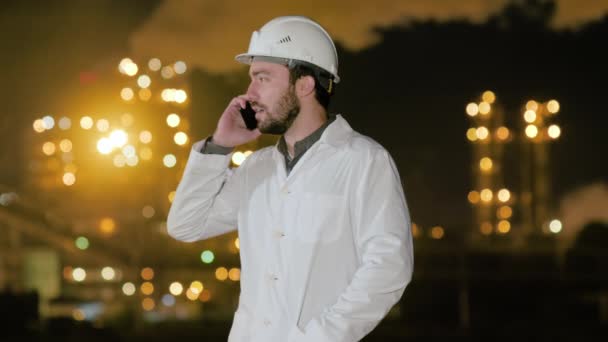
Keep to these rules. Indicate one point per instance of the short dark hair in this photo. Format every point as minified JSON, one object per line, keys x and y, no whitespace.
{"x":324,"y":83}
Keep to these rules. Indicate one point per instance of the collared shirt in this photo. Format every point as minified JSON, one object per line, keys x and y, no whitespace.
{"x":325,"y":252}
{"x":300,"y":147}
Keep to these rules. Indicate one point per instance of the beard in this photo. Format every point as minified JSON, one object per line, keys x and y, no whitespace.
{"x":283,"y":116}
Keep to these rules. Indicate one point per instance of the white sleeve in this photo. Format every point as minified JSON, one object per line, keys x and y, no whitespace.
{"x":207,"y":199}
{"x":384,"y":242}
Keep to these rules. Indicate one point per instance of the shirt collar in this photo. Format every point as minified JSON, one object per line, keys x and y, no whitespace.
{"x":303,"y":145}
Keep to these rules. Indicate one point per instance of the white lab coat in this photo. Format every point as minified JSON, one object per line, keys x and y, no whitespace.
{"x":325,"y":252}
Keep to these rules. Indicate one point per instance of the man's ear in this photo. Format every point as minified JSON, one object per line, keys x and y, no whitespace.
{"x":305,"y":86}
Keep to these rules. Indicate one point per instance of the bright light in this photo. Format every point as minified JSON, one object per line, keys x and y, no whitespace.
{"x":248,"y":153}
{"x":416,"y":230}
{"x":482,"y":133}
{"x":238,"y":158}
{"x":127,"y":94}
{"x":484,"y":108}
{"x":129,"y":151}
{"x":148,"y":211}
{"x":530,"y":116}
{"x":147,"y":288}
{"x":485,"y":164}
{"x":192,"y":295}
{"x":472,"y":134}
{"x":65,"y":145}
{"x":147,"y":273}
{"x":502,"y":133}
{"x":504,"y":226}
{"x":82,"y":243}
{"x":48,"y":122}
{"x":145,"y":94}
{"x":472,"y":109}
{"x":108,"y":273}
{"x":118,"y":138}
{"x":104,"y":146}
{"x":78,"y":315}
{"x":168,"y":300}
{"x":127,"y":67}
{"x":169,"y":160}
{"x":131,"y":69}
{"x":69,"y":178}
{"x":132,"y":160}
{"x":86,"y":122}
{"x":196,"y":286}
{"x":234,"y":274}
{"x":154,"y":64}
{"x":488,"y":96}
{"x":473,"y":197}
{"x":180,"y":138}
{"x":237,"y":243}
{"x":168,"y":95}
{"x":554,"y":131}
{"x":120,"y":160}
{"x":180,"y":96}
{"x":145,"y":137}
{"x":437,"y":232}
{"x":532,"y":105}
{"x":38,"y":125}
{"x":103,"y":125}
{"x":504,"y":195}
{"x":167,"y":72}
{"x":531,"y":131}
{"x":65,"y":123}
{"x":555,"y":226}
{"x":553,"y":106}
{"x":176,"y":288}
{"x":173,"y":120}
{"x":179,"y":67}
{"x":148,"y":304}
{"x":144,"y":81}
{"x":48,"y":148}
{"x":79,"y":274}
{"x":128,"y":289}
{"x":171,"y":196}
{"x":221,"y":273}
{"x":207,"y":256}
{"x":504,"y":212}
{"x":107,"y":225}
{"x":486,"y":195}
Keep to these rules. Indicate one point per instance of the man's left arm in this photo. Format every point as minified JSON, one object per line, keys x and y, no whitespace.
{"x":384,"y":242}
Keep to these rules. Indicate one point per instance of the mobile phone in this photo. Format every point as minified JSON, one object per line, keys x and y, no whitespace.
{"x":248,"y":115}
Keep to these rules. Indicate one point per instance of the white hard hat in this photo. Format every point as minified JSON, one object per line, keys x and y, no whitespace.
{"x":294,"y":38}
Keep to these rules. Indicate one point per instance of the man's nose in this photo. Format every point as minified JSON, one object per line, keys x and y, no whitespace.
{"x":252,"y":92}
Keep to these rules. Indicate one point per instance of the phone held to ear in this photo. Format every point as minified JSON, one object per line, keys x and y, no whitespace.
{"x":248,"y":115}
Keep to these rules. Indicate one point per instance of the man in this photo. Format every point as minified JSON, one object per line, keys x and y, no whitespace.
{"x":324,"y":229}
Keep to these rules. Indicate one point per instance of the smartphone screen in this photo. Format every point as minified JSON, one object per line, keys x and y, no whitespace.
{"x":248,"y":115}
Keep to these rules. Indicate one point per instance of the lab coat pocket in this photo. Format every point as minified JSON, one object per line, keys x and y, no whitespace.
{"x":320,"y":217}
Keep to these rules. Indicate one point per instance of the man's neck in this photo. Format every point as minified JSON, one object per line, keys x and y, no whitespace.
{"x":304,"y":125}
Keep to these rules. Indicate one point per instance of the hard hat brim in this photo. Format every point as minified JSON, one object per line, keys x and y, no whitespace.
{"x":247,"y":58}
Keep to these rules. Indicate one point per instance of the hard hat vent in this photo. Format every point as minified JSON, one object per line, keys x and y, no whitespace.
{"x":285,"y":40}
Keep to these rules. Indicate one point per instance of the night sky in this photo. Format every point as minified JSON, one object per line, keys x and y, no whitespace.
{"x":406,"y":76}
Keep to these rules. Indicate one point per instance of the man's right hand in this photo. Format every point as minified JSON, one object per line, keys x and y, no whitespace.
{"x":231,"y":130}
